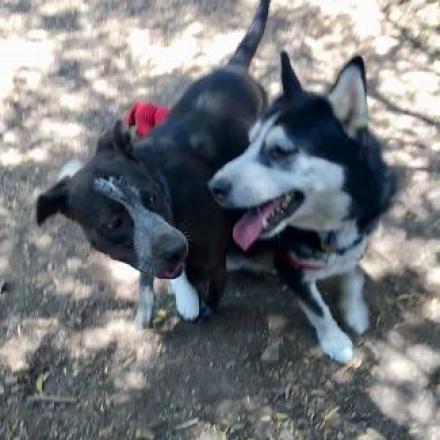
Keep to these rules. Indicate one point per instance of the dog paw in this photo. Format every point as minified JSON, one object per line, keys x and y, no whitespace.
{"x":337,"y":345}
{"x":188,"y":306}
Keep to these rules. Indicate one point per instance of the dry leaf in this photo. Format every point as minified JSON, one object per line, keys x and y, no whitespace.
{"x":39,"y":383}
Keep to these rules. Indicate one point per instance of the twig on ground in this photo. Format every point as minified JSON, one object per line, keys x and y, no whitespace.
{"x":51,"y":399}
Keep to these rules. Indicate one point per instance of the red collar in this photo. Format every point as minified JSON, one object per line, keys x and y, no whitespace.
{"x":291,"y":260}
{"x":145,"y":116}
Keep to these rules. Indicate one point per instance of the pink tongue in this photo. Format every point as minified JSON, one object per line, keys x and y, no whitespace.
{"x":249,"y":227}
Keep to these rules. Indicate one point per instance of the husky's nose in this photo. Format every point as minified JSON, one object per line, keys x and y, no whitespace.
{"x":220,"y":189}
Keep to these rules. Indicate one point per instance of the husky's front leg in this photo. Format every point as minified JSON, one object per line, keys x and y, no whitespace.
{"x":352,"y":303}
{"x":145,"y":308}
{"x":335,"y":343}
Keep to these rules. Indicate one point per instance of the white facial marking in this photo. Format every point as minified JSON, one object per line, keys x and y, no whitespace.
{"x":352,"y":304}
{"x":254,"y":131}
{"x":187,"y":298}
{"x":278,"y":136}
{"x":335,"y":343}
{"x":321,"y":181}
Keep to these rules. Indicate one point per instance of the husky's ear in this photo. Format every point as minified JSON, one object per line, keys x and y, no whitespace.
{"x":289,"y":80}
{"x":348,"y":96}
{"x":53,"y":201}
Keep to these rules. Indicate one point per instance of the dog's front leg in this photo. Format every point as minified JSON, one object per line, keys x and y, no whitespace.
{"x":145,"y":308}
{"x":352,"y":303}
{"x":335,"y":343}
{"x":187,"y":298}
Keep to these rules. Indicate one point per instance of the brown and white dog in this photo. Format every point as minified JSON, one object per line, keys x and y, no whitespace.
{"x":150,"y":206}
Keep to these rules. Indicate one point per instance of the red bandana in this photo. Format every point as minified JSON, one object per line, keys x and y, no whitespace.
{"x":145,"y":116}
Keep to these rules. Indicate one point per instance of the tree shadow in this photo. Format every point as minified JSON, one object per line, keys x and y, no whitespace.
{"x":66,"y":316}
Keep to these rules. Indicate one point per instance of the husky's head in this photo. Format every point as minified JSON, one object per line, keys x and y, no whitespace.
{"x":312,"y":162}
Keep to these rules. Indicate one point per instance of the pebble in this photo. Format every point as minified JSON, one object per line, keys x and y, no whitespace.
{"x":144,"y":434}
{"x":276,"y":323}
{"x":272,"y":352}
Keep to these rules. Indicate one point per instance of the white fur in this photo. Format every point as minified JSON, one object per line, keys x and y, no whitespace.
{"x":335,"y":343}
{"x":70,"y":168}
{"x":277,"y":137}
{"x":321,"y":181}
{"x":348,"y":100}
{"x":352,"y":303}
{"x":187,"y":299}
{"x":145,"y":306}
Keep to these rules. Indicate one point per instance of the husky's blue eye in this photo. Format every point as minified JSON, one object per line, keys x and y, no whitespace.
{"x":278,"y":153}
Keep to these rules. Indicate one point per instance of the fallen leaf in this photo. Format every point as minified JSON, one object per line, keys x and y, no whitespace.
{"x":162,"y":313}
{"x":39,"y":383}
{"x":281,"y":416}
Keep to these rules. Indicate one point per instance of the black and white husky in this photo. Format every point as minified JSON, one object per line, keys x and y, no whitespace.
{"x":313,"y":177}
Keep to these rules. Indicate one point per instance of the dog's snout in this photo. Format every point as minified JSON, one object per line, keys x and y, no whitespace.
{"x":220,"y":188}
{"x":172,"y":248}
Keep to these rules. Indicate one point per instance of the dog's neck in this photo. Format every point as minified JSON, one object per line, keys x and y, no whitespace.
{"x":318,"y":245}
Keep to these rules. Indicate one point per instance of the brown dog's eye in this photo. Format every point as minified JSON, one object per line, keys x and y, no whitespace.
{"x":149,"y":199}
{"x":115,"y":223}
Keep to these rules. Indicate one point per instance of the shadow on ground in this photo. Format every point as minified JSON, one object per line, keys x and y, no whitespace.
{"x":68,"y":69}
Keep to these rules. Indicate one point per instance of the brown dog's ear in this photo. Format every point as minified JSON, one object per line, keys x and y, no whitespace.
{"x":117,"y":138}
{"x":53,"y":201}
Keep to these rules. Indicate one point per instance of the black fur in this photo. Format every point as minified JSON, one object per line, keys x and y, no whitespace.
{"x":205,"y":129}
{"x":309,"y":119}
{"x":246,"y":49}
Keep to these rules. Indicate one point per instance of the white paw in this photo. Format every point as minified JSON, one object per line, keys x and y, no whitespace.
{"x":337,"y":345}
{"x":357,"y":317}
{"x":187,"y":305}
{"x":143,"y":317}
{"x":187,"y":299}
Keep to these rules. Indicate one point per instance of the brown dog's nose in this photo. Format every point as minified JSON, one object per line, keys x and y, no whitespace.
{"x":171,"y":248}
{"x":220,"y":189}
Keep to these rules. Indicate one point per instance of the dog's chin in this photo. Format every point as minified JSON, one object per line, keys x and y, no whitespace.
{"x":172,"y":272}
{"x":168,"y":272}
{"x":266,"y":220}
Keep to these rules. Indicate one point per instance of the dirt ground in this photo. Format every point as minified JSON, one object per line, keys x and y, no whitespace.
{"x":67,"y":69}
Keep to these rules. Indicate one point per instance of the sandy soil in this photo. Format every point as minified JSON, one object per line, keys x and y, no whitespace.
{"x":67,"y":69}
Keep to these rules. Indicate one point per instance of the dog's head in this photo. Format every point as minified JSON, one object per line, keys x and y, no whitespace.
{"x":311,"y":163}
{"x":107,"y":223}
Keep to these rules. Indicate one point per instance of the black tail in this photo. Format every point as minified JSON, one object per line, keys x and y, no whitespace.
{"x":248,"y":45}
